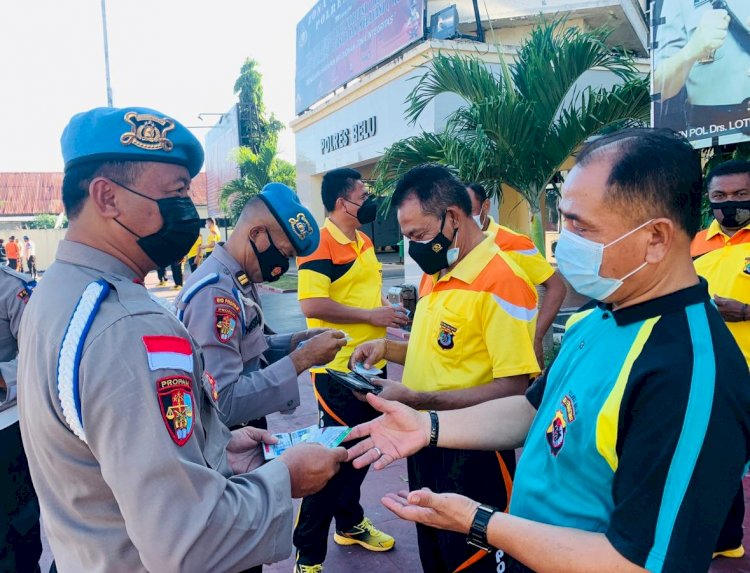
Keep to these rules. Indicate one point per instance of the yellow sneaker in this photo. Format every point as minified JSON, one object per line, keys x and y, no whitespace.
{"x":735,"y":553}
{"x":366,"y":535}
{"x":308,"y":568}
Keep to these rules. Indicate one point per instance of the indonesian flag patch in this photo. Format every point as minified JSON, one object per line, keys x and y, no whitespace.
{"x":169,"y":353}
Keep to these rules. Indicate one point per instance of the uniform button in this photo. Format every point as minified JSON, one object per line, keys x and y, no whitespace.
{"x":290,"y":402}
{"x":582,"y":344}
{"x":605,"y":315}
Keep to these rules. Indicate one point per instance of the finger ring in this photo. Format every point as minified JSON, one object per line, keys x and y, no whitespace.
{"x":378,"y":450}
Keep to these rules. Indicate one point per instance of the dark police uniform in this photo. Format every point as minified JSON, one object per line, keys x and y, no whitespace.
{"x":642,"y":431}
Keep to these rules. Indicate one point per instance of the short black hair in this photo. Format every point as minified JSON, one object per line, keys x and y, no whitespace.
{"x":479,"y":191}
{"x":435,"y":187}
{"x":655,"y":172}
{"x":733,"y":167}
{"x":75,"y":186}
{"x":338,"y":183}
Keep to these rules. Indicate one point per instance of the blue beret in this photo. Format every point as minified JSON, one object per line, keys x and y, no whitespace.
{"x":129,"y":134}
{"x":296,"y":220}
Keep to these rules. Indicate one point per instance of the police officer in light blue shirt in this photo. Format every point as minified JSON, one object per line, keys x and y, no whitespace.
{"x":704,"y":46}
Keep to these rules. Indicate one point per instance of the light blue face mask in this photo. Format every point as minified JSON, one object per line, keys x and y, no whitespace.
{"x":580,"y":260}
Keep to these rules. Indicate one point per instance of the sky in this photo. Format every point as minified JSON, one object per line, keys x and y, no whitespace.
{"x":180,"y":57}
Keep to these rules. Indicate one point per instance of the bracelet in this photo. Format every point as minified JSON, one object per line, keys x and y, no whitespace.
{"x":385,"y":348}
{"x":434,"y":428}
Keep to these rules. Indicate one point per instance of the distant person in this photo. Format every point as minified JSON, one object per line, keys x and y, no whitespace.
{"x":13,"y":251}
{"x":3,"y":254}
{"x":29,"y":253}
{"x":214,"y":237}
{"x":523,"y":252}
{"x":161,"y":274}
{"x":193,"y":256}
{"x":176,"y":269}
{"x":722,"y":256}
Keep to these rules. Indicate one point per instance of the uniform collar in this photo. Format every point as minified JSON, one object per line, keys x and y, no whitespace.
{"x":239,"y":276}
{"x":468,"y":268}
{"x":339,"y":236}
{"x":715,"y":229}
{"x":662,"y":305}
{"x":493,"y":227}
{"x":85,"y":256}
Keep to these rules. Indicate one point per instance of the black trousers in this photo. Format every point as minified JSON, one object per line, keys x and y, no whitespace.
{"x":161,"y":272}
{"x":485,"y":477}
{"x":339,"y":499}
{"x":31,"y":262}
{"x":731,"y":533}
{"x":21,"y":545}
{"x":176,"y":272}
{"x":13,"y":264}
{"x":193,"y":264}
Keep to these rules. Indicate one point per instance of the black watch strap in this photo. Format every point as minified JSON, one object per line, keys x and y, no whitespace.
{"x":478,"y":532}
{"x":434,"y":428}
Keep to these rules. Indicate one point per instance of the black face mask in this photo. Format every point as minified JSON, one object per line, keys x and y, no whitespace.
{"x":272,"y":261}
{"x":180,"y":228}
{"x":368,"y":210}
{"x":435,"y":255}
{"x":736,"y":213}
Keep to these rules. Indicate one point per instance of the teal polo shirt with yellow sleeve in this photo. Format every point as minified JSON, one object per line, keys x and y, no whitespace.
{"x":641,"y":431}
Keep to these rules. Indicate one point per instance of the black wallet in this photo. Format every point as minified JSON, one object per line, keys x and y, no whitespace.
{"x":354,"y":381}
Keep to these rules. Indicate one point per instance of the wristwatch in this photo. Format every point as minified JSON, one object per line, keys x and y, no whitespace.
{"x":478,"y":532}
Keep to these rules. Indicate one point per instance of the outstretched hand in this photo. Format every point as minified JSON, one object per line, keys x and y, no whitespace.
{"x":441,"y":510}
{"x":399,"y":432}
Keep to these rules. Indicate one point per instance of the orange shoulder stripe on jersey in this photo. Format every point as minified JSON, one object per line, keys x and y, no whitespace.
{"x":498,"y":279}
{"x":425,"y":285}
{"x":329,"y":249}
{"x":701,"y":245}
{"x":509,"y":240}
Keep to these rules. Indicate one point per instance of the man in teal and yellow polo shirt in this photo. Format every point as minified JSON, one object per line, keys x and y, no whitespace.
{"x":722,"y":257}
{"x":635,"y":438}
{"x":524,"y":253}
{"x":340,"y":287}
{"x":471,"y":342}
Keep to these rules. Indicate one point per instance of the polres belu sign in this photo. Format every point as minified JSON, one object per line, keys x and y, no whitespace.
{"x":358,"y":132}
{"x":339,"y":40}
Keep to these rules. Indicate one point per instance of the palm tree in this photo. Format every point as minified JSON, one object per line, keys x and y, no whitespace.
{"x":518,"y":126}
{"x":258,"y":169}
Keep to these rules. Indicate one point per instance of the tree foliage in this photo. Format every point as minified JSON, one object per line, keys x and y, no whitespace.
{"x":255,"y":127}
{"x":518,"y":125}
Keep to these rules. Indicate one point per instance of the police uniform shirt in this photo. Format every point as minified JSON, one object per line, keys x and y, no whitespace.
{"x":347,"y":272}
{"x":523,"y":251}
{"x":472,"y":325}
{"x":15,"y":289}
{"x":221,"y":309}
{"x":724,"y":262}
{"x":127,"y":452}
{"x":723,"y":81}
{"x":641,"y":431}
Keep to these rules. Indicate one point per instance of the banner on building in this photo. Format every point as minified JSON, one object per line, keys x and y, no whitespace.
{"x":339,"y":40}
{"x":700,"y":58}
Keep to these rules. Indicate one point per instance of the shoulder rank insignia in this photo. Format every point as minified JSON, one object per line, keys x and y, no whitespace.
{"x":148,"y":131}
{"x":242,"y":278}
{"x":175,"y":395}
{"x":301,"y":226}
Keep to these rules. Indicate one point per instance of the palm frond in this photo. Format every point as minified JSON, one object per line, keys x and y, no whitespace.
{"x":469,"y":78}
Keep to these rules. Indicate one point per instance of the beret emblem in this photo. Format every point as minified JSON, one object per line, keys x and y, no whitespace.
{"x":148,"y":131}
{"x":301,"y":226}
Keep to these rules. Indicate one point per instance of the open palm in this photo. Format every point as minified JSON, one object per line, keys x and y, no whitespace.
{"x":401,"y":431}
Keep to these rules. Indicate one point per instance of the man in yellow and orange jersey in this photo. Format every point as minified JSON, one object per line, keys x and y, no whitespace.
{"x":722,"y":256}
{"x":471,"y":342}
{"x":340,"y":287}
{"x":524,"y":253}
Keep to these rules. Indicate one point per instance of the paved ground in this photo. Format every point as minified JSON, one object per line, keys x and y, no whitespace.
{"x":283,"y":314}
